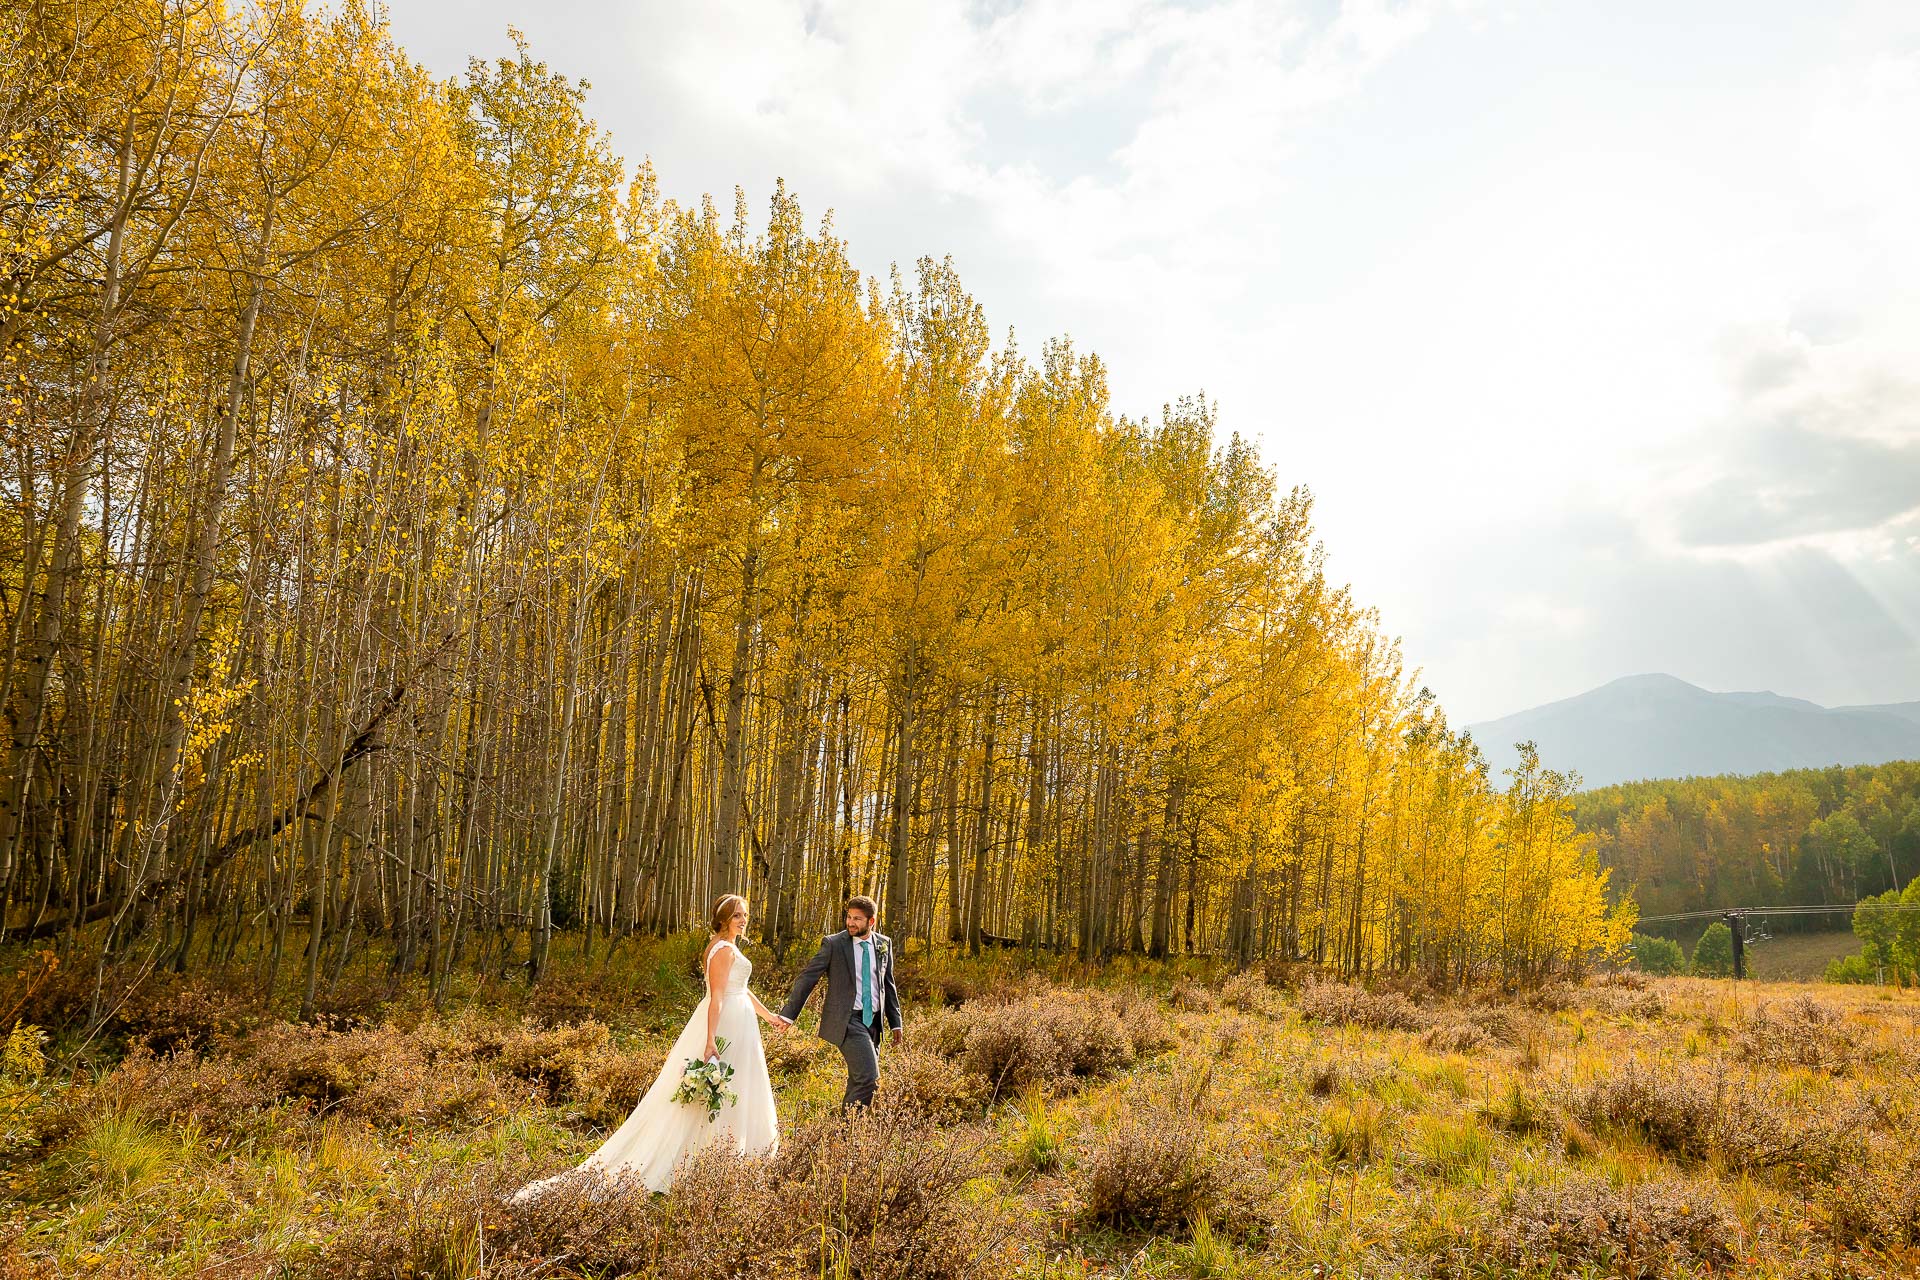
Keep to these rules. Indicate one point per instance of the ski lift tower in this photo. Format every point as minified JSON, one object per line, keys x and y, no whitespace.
{"x":1737,"y":926}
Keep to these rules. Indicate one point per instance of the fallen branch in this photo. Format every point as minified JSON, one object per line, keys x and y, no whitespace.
{"x":360,"y":745}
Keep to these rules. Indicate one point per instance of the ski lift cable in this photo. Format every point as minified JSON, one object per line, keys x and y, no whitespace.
{"x":1718,"y":912}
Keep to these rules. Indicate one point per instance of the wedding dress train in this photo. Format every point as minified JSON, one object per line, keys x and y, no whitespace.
{"x":661,"y":1133}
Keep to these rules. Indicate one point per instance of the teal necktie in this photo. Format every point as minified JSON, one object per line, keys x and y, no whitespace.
{"x":866,"y":982}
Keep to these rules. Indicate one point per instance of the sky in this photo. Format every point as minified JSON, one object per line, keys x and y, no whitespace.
{"x":1594,"y":327}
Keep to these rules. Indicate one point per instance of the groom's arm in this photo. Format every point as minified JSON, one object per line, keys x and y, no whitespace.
{"x":891,"y":996}
{"x":804,"y":984}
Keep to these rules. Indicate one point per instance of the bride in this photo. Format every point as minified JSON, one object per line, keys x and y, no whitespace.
{"x":662,"y":1132}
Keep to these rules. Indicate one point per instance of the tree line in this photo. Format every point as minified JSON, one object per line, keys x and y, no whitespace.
{"x":1808,"y":836}
{"x":420,"y":532}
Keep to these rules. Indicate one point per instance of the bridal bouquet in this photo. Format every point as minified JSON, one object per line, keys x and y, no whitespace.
{"x":704,"y":1084}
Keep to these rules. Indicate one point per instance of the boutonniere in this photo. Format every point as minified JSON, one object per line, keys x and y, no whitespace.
{"x":880,"y":948}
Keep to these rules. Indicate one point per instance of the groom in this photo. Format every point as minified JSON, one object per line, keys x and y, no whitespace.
{"x":861,"y":997}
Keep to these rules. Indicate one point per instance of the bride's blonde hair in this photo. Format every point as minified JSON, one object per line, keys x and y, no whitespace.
{"x":723,"y":911}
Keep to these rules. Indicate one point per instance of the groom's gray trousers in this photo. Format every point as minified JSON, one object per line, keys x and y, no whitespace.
{"x":861,"y":1048}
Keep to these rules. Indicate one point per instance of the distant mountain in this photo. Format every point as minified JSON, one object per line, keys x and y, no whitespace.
{"x":1905,"y":710}
{"x":1657,"y":726}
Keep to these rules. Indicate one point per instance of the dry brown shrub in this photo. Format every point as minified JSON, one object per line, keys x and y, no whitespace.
{"x":938,"y":984}
{"x":1874,"y":1201}
{"x":1045,"y":1039}
{"x":1744,"y":1124}
{"x":1144,"y":1018}
{"x":906,"y":1216}
{"x":1150,"y":1171}
{"x":449,"y":1220}
{"x":613,"y":1084}
{"x":927,"y":1085}
{"x":164,"y":1010}
{"x":1342,"y":1004}
{"x":1090,"y":1032}
{"x":434,"y":1073}
{"x":1578,"y":1141}
{"x":378,"y":1074}
{"x":464,"y":1034}
{"x":182,"y":1012}
{"x":1585,"y":1227}
{"x":1414,"y":984}
{"x":1189,"y":997}
{"x":944,"y":1031}
{"x":1554,"y":997}
{"x":1498,"y":1022}
{"x":1618,"y":999}
{"x":1674,"y":1112}
{"x":1285,"y":975}
{"x":1801,"y":1032}
{"x":1326,"y":1077}
{"x":1012,"y":1047}
{"x":1156,"y":1169}
{"x":1340,"y":1072}
{"x":431,"y":1226}
{"x":1474,"y":1027}
{"x":792,"y":1051}
{"x":796,"y":1214}
{"x":558,"y":1059}
{"x":726,"y":1218}
{"x":1227,"y":1038}
{"x":1455,"y":1037}
{"x":951,"y":983}
{"x":1625,"y":1002}
{"x":601,"y":994}
{"x":1249,"y":993}
{"x":218,"y":1092}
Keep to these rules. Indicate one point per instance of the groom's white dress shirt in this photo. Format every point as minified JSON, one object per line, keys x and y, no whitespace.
{"x":864,"y":977}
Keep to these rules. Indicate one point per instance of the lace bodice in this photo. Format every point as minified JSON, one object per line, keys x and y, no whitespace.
{"x":742,"y":968}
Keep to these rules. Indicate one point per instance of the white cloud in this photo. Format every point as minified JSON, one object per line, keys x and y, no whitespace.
{"x":1822,"y":449}
{"x":1591,"y":328}
{"x":949,"y":95}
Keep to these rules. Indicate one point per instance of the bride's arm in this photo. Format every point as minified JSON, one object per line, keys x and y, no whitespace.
{"x":719,"y":965}
{"x":766,"y":1014}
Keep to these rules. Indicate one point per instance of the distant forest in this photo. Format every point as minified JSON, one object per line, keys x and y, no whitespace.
{"x":1806,"y":836}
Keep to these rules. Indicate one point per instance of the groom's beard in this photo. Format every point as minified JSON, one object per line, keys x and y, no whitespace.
{"x":861,"y":932}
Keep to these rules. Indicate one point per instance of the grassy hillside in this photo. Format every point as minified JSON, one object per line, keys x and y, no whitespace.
{"x":1167,"y":1122}
{"x":1800,"y":957}
{"x":1783,"y":957}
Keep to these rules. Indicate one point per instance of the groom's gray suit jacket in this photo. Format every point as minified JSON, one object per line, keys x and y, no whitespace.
{"x":834,"y":961}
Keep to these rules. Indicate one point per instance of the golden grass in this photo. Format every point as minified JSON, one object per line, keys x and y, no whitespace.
{"x":1170,"y":1125}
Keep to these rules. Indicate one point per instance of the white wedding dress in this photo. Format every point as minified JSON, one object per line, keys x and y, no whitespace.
{"x":661,"y":1132}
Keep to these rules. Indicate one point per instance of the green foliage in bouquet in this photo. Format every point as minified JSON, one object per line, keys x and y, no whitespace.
{"x":704,"y":1084}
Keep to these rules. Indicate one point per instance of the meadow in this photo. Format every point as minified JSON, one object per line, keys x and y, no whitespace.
{"x":1145,"y":1120}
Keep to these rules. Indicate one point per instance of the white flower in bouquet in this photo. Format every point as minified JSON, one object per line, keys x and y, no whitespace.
{"x":704,"y":1083}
